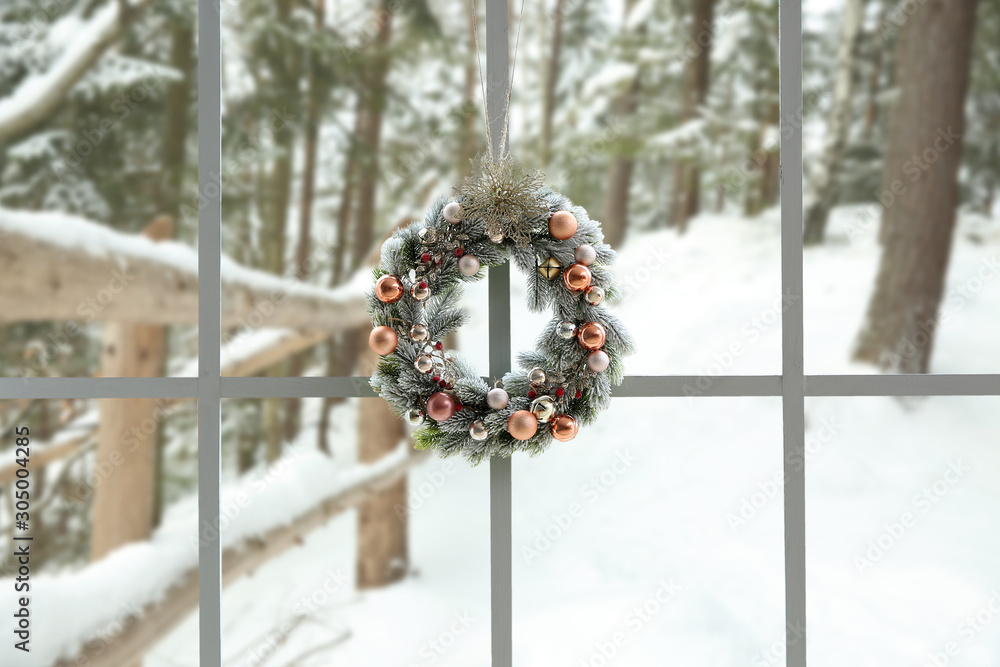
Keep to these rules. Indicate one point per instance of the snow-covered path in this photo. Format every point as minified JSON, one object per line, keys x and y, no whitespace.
{"x":656,"y":536}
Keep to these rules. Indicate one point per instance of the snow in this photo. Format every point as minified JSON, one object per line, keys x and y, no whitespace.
{"x":74,"y":39}
{"x":661,"y":525}
{"x":76,"y":233}
{"x":657,"y":533}
{"x":121,"y":584}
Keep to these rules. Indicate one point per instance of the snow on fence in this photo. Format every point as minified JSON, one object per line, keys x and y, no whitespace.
{"x":63,"y":267}
{"x":140,"y":592}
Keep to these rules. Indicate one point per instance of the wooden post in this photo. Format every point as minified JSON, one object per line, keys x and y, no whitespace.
{"x":383,"y":551}
{"x":125,"y":463}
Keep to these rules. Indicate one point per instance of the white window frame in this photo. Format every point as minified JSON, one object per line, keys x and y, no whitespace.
{"x":792,"y":385}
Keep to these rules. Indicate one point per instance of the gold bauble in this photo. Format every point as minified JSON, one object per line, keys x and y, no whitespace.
{"x":550,"y":268}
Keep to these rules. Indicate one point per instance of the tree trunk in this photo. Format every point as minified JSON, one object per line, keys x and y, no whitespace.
{"x":383,"y":554}
{"x":920,"y":187}
{"x":293,"y":406}
{"x":369,"y":133}
{"x":551,"y":83}
{"x":824,"y":181}
{"x":125,"y":461}
{"x":175,"y":113}
{"x":875,"y":79}
{"x":687,"y":175}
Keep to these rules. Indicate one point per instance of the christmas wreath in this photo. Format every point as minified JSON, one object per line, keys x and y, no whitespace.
{"x":501,"y":211}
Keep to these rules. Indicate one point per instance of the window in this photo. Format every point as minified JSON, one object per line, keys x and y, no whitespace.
{"x":717,"y":378}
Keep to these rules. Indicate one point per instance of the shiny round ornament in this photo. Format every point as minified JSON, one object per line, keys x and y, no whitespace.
{"x":562,"y":225}
{"x":522,"y":425}
{"x":566,"y":329}
{"x":550,"y":268}
{"x":440,"y":406}
{"x":418,"y":332}
{"x":383,"y":340}
{"x":477,"y":431}
{"x":415,"y":417}
{"x":536,"y":376}
{"x":576,"y":277}
{"x":497,"y":398}
{"x":389,"y":289}
{"x":452,"y":212}
{"x":595,"y":295}
{"x":424,"y":363}
{"x":564,"y":428}
{"x":586,"y":254}
{"x":544,"y":408}
{"x":420,"y":293}
{"x":592,"y":336}
{"x":468,"y":265}
{"x":598,"y":361}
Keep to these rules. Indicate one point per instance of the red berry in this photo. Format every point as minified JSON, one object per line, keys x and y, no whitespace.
{"x":425,"y":257}
{"x":442,"y":384}
{"x":438,"y":346}
{"x":531,"y":393}
{"x":423,"y":284}
{"x":458,"y":252}
{"x":458,"y":407}
{"x":560,"y":391}
{"x":579,"y":393}
{"x":436,"y":378}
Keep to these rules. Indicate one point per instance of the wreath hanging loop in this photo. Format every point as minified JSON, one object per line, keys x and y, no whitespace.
{"x":502,"y":211}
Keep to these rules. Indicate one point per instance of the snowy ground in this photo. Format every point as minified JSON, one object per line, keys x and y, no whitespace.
{"x":657,"y":534}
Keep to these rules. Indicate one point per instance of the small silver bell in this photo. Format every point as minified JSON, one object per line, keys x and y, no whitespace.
{"x":477,"y":431}
{"x":544,"y":408}
{"x":418,"y":332}
{"x":566,"y":330}
{"x":424,"y":363}
{"x":536,"y":376}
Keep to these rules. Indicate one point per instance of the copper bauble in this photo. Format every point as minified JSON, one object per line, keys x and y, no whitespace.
{"x":389,"y":289}
{"x":440,"y":406}
{"x":591,"y":336}
{"x":564,"y":428}
{"x":383,"y":340}
{"x":562,"y":225}
{"x":522,"y":425}
{"x":576,"y":277}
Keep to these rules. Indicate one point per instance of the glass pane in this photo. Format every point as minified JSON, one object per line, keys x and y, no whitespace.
{"x":340,"y":575}
{"x":342,"y":121}
{"x":902,"y":167}
{"x":902,"y":509}
{"x":102,"y":497}
{"x":655,"y":537}
{"x":664,"y":125}
{"x":98,"y":189}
